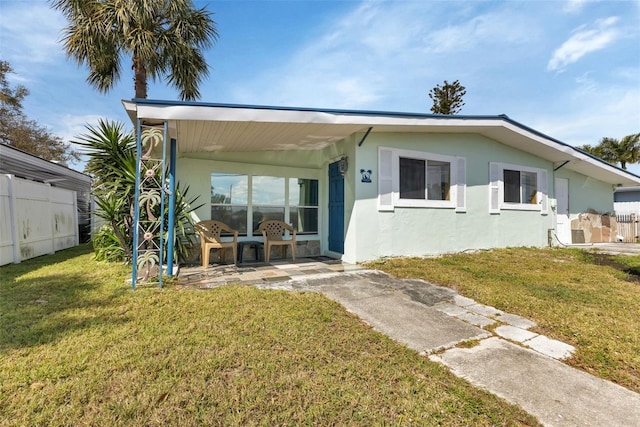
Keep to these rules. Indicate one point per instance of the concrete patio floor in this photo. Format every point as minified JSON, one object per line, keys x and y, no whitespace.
{"x":258,"y":272}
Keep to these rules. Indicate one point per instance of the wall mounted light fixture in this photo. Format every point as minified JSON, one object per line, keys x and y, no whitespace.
{"x":343,"y":165}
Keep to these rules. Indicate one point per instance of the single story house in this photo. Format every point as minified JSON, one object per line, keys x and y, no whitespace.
{"x":360,"y":185}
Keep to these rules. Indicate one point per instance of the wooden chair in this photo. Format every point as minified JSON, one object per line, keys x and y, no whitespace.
{"x":273,"y":234}
{"x":209,"y":232}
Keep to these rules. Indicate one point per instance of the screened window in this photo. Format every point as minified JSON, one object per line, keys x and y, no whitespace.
{"x":424,"y":179}
{"x":520,"y":186}
{"x":515,"y":187}
{"x":412,"y":178}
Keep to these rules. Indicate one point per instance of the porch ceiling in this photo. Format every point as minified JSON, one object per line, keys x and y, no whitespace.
{"x":200,"y":127}
{"x":197,"y":136}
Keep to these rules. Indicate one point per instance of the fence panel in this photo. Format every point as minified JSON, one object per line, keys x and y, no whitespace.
{"x":6,"y":238}
{"x":37,"y":219}
{"x":627,"y":227}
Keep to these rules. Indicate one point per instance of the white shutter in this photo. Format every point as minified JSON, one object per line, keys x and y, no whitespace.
{"x":461,"y":184}
{"x":543,"y":192}
{"x":495,"y":170}
{"x":385,"y":179}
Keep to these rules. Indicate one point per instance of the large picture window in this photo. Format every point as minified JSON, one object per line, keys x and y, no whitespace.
{"x":243,"y":201}
{"x":419,"y":179}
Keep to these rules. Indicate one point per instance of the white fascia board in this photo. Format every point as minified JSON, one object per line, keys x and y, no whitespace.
{"x":554,"y":151}
{"x":560,"y":148}
{"x":270,"y":115}
{"x":612,"y":174}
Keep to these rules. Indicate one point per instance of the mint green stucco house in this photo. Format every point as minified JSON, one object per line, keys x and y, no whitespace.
{"x":365,"y":184}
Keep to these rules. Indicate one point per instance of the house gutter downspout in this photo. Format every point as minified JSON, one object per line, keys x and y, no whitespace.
{"x":366,"y":134}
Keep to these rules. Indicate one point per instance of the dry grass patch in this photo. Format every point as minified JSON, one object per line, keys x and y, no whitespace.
{"x":77,"y":347}
{"x":592,"y":307}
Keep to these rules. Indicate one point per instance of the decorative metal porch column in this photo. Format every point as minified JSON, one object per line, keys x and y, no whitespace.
{"x":149,"y":204}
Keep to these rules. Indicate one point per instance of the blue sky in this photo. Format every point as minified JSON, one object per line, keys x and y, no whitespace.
{"x":570,"y":69}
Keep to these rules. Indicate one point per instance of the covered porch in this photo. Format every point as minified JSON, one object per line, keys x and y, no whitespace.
{"x":247,"y":165}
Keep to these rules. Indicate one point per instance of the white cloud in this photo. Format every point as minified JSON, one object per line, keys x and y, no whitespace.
{"x":593,"y":114}
{"x":497,"y":27}
{"x":30,"y":37}
{"x":584,"y":41}
{"x":69,"y":127}
{"x":574,"y":6}
{"x":376,"y":50}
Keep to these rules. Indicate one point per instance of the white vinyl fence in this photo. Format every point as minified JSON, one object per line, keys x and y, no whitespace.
{"x":35,"y":219}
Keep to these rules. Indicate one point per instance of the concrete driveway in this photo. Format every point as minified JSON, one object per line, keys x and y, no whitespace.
{"x":611,"y":248}
{"x":512,"y":362}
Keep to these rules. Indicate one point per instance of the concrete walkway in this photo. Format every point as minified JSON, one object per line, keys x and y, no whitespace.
{"x":432,"y":320}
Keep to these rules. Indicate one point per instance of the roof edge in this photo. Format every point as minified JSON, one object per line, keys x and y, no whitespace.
{"x":131,"y":106}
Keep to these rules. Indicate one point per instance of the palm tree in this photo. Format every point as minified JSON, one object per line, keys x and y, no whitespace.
{"x":612,"y":150}
{"x":164,"y":38}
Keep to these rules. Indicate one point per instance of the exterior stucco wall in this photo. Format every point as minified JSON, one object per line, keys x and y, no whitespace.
{"x":196,"y":172}
{"x":426,"y":231}
{"x":586,"y":194}
{"x":370,"y":233}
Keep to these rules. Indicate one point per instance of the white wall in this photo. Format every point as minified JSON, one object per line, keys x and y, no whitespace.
{"x":35,"y":219}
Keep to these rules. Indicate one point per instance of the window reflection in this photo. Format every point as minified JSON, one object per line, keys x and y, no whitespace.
{"x":230,"y":195}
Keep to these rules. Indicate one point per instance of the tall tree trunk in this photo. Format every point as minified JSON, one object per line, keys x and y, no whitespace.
{"x":140,"y":79}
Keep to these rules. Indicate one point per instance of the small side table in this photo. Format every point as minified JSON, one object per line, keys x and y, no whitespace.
{"x":258,"y":247}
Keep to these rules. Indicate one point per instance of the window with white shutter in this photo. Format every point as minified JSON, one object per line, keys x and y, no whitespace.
{"x":417,"y":179}
{"x":516,"y":187}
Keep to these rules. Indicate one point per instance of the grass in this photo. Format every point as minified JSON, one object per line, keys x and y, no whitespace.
{"x":592,"y":307}
{"x":78,"y":347}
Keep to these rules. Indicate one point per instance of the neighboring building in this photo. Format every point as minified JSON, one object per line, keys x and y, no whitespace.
{"x":44,"y":206}
{"x":361,"y":185}
{"x":627,"y":200}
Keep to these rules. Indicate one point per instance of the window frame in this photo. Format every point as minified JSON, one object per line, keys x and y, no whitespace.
{"x":315,"y":207}
{"x":497,"y":188}
{"x":426,"y":157}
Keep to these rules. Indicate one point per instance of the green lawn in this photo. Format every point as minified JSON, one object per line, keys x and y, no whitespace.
{"x":78,"y":347}
{"x":596,"y":308}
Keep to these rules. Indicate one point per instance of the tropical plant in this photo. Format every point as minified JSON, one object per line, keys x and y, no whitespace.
{"x":107,"y":246}
{"x":112,"y":163}
{"x":163,"y":38}
{"x":614,"y":151}
{"x":447,"y":99}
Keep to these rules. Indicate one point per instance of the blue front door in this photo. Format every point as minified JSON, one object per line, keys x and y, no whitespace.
{"x":336,"y":209}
